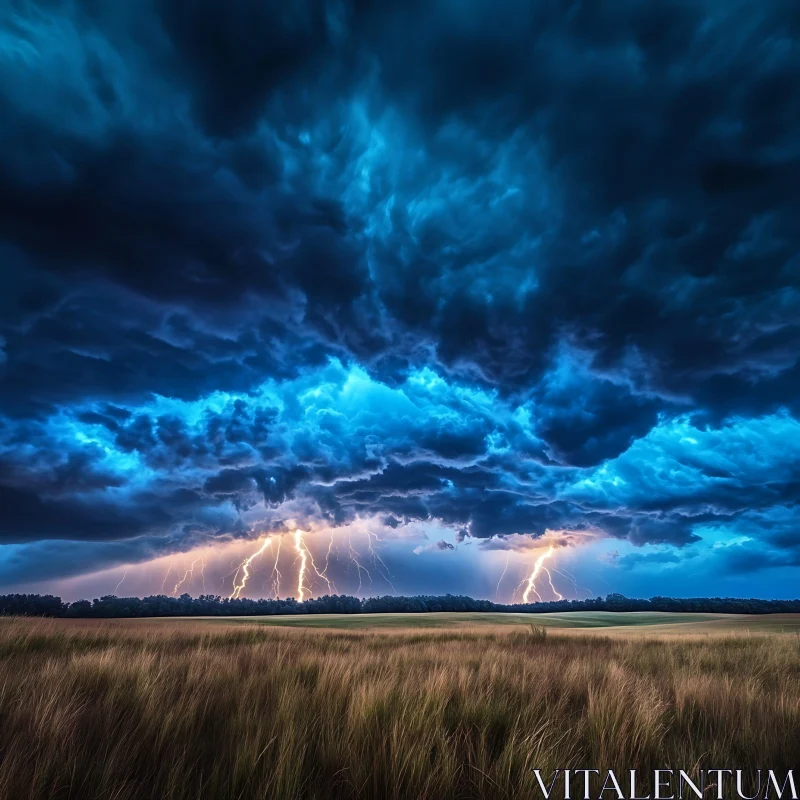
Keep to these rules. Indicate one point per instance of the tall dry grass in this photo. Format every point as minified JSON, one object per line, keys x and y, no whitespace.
{"x":202,"y":710}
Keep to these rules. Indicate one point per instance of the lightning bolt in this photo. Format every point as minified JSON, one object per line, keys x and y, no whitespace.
{"x":539,"y":567}
{"x":163,"y":583}
{"x":570,"y":576}
{"x":121,"y":580}
{"x":552,"y":587}
{"x":233,"y":569}
{"x":189,"y":572}
{"x":530,"y":589}
{"x":276,"y":580}
{"x":307,"y":558}
{"x":244,"y":568}
{"x":564,"y":574}
{"x":203,"y":572}
{"x":303,"y":556}
{"x":324,"y":572}
{"x":382,"y":569}
{"x":505,"y":569}
{"x":354,"y":556}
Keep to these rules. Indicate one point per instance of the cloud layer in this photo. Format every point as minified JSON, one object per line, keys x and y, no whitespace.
{"x":504,"y":269}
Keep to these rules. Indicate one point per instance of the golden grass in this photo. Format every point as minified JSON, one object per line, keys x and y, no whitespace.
{"x":92,"y":709}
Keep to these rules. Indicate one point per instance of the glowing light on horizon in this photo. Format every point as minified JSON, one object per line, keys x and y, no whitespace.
{"x":311,"y":580}
{"x":336,"y":560}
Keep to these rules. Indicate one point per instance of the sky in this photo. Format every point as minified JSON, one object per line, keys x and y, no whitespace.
{"x":425,"y":293}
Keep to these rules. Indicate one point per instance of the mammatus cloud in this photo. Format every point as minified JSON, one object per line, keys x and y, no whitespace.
{"x":504,"y":271}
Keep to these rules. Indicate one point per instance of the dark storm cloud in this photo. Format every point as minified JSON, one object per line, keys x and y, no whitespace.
{"x":234,"y":59}
{"x":509,"y":267}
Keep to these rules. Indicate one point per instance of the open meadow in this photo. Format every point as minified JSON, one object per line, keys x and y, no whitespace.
{"x":421,"y":706}
{"x":606,"y":622}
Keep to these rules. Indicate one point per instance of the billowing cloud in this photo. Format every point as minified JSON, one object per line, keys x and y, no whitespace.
{"x":441,"y":546}
{"x":505,"y":270}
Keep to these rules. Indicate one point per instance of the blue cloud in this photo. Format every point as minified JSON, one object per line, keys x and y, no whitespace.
{"x":503,"y":271}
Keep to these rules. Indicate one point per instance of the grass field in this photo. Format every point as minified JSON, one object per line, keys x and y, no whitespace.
{"x":424,"y":706}
{"x":604,"y":622}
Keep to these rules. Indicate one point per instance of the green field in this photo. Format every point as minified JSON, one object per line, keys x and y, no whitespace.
{"x":602,"y":621}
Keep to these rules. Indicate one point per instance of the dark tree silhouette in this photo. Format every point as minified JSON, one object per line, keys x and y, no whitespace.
{"x":34,"y":605}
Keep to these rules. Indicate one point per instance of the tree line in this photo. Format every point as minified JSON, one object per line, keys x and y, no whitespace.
{"x":207,"y":605}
